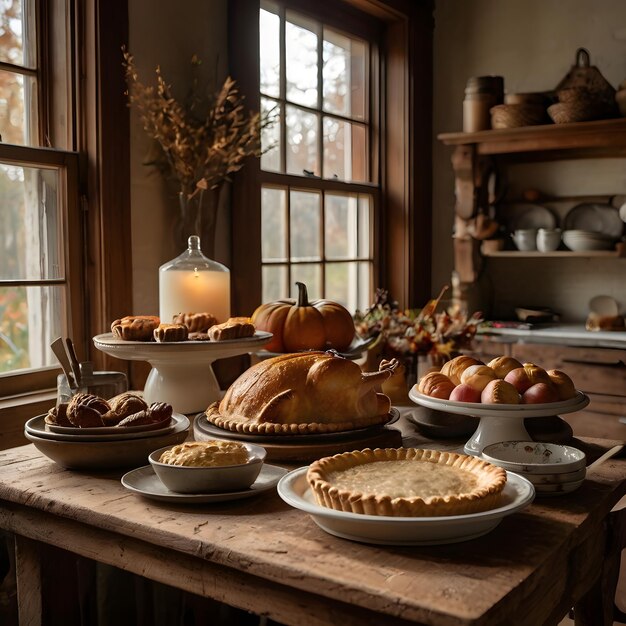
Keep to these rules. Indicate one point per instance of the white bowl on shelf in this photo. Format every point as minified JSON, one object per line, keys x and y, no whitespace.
{"x":586,"y":241}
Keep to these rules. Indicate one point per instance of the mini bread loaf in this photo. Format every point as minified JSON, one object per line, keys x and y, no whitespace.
{"x":436,"y":385}
{"x":456,"y":366}
{"x":536,"y":374}
{"x":85,"y":410}
{"x":499,"y":392}
{"x":122,"y":406}
{"x":199,"y":336}
{"x":195,"y":322}
{"x":478,"y":376}
{"x":502,"y":365}
{"x":563,"y":383}
{"x":171,"y":332}
{"x":231,"y":330}
{"x":135,"y":327}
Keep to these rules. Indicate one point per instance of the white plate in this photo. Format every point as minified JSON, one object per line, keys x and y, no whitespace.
{"x":478,"y":409}
{"x":144,"y":482}
{"x":352,"y":352}
{"x":526,"y":216}
{"x":411,"y":531}
{"x":599,"y":218}
{"x":37,"y":426}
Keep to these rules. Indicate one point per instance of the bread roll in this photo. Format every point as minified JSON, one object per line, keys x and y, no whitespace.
{"x":456,"y":366}
{"x":478,"y":376}
{"x":502,"y":365}
{"x":499,"y":392}
{"x":436,"y":385}
{"x":536,"y":374}
{"x":564,"y":385}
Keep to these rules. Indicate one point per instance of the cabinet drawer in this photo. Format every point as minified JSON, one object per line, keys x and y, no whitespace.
{"x":593,"y":370}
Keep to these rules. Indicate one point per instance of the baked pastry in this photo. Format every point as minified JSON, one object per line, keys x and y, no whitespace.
{"x":122,"y":406}
{"x":477,"y":376}
{"x":563,"y":383}
{"x":502,"y":365}
{"x":231,"y":330}
{"x":406,"y":482}
{"x":212,"y":453}
{"x":195,"y":322}
{"x":456,"y":366}
{"x":156,"y":413}
{"x":135,"y":327}
{"x":301,"y":393}
{"x":605,"y":322}
{"x":57,"y":415}
{"x":436,"y":385}
{"x":84,"y":410}
{"x":499,"y":392}
{"x":170,"y":332}
{"x":536,"y":374}
{"x":198,"y":336}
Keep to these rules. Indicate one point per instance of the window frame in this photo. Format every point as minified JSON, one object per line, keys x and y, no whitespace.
{"x":403,"y":223}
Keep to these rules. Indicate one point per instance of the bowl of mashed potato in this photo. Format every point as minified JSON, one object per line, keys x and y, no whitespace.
{"x":208,"y":466}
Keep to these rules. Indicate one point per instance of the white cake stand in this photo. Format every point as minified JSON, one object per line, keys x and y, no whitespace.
{"x":182,"y":372}
{"x":499,"y":422}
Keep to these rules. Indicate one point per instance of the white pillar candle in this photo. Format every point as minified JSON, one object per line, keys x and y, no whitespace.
{"x":194,"y":291}
{"x":191,"y":283}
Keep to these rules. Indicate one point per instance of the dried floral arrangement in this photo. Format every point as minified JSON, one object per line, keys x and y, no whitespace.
{"x":406,"y":333}
{"x":202,"y":140}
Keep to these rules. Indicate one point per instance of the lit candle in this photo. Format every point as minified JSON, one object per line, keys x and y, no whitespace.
{"x":191,"y":283}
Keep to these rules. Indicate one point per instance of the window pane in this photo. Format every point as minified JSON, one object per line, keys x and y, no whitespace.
{"x":311,"y":276}
{"x":365,"y":228}
{"x":270,"y":137}
{"x":269,"y":36}
{"x":273,"y":224}
{"x":30,"y":319}
{"x":18,"y":108}
{"x":341,"y":284}
{"x":17,"y":28}
{"x":344,"y":75}
{"x":30,"y":229}
{"x":301,"y":60}
{"x":305,"y":225}
{"x":365,"y":289}
{"x":302,"y":156}
{"x":274,"y":282}
{"x":344,"y":150}
{"x":340,"y":231}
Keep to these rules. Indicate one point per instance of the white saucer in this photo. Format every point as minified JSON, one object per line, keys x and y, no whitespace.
{"x":410,"y":531}
{"x":144,"y":482}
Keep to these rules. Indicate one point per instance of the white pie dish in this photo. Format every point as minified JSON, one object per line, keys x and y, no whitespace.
{"x":187,"y":479}
{"x":294,"y":489}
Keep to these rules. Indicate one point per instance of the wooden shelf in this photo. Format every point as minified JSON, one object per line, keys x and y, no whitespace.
{"x":598,"y":138}
{"x":558,"y":254}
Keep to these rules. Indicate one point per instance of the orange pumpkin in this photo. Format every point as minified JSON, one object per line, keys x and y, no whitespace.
{"x":303,"y":325}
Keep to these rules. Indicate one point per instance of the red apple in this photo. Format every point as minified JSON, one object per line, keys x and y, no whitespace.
{"x":519,"y":379}
{"x":540,"y":393}
{"x":465,"y":393}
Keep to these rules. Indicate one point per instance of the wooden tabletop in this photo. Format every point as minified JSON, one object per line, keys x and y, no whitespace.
{"x":261,"y":555}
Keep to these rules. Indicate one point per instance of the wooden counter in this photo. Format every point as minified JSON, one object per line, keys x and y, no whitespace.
{"x":261,"y":555}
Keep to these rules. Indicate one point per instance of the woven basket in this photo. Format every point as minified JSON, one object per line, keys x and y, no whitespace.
{"x":574,"y":111}
{"x":515,"y":115}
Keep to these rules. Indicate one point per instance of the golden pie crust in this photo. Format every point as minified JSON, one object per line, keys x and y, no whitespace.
{"x":406,"y":482}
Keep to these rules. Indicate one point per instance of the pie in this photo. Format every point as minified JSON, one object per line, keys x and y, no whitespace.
{"x":406,"y":482}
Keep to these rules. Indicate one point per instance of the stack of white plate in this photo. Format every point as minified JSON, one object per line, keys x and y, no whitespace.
{"x":553,"y":469}
{"x":105,"y":447}
{"x":586,"y":240}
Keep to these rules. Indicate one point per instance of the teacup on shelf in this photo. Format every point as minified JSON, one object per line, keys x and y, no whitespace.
{"x":548,"y":239}
{"x":525,"y":239}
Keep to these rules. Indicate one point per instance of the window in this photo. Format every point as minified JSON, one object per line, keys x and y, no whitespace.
{"x":398,"y":118}
{"x":319,"y":191}
{"x":40,"y":234}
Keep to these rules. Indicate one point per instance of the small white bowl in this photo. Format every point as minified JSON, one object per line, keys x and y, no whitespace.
{"x":532,"y":457}
{"x":555,"y":479}
{"x":557,"y":489}
{"x":186,"y":479}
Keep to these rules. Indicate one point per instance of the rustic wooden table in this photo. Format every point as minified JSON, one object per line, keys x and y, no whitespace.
{"x":261,"y":555}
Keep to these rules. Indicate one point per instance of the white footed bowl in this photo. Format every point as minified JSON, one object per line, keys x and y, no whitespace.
{"x":531,"y":457}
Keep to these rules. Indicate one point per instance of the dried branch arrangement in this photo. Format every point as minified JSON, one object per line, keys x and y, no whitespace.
{"x":205,"y":139}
